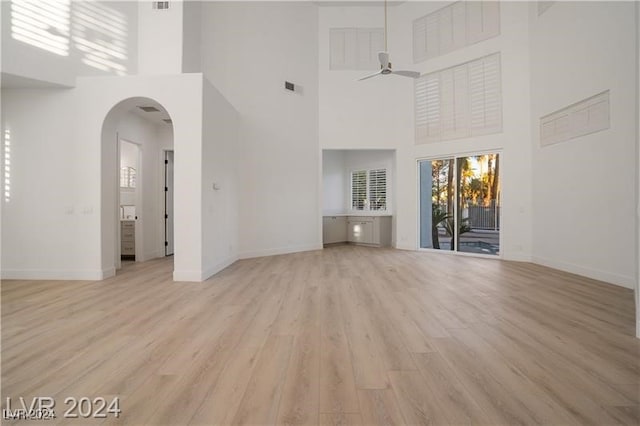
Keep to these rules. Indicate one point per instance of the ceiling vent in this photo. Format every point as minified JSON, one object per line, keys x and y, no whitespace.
{"x":160,"y":5}
{"x":167,"y":120}
{"x":149,"y":109}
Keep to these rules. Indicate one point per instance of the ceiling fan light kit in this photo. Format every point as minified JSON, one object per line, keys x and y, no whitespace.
{"x":383,"y":57}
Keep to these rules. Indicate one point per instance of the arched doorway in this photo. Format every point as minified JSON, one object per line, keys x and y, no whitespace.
{"x":133,"y":187}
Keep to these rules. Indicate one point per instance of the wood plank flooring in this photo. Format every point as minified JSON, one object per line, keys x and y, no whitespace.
{"x":344,"y":336}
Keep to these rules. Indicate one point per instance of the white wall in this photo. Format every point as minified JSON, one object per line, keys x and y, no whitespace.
{"x":181,"y":95}
{"x":333,"y":182}
{"x":46,"y":213}
{"x":160,"y":38}
{"x":378,"y":113}
{"x":192,"y":36}
{"x":35,"y":61}
{"x":582,"y":204}
{"x":65,"y":176}
{"x":219,"y":204}
{"x":249,"y":50}
{"x":3,"y":151}
{"x":375,"y":113}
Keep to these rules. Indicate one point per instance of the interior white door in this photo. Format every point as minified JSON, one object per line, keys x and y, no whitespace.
{"x":168,"y":203}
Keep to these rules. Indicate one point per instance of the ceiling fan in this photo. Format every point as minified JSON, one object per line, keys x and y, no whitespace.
{"x":383,"y":57}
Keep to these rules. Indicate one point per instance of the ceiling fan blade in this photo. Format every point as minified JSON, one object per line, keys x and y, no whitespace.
{"x":370,"y":75}
{"x":411,"y":74}
{"x":383,"y":57}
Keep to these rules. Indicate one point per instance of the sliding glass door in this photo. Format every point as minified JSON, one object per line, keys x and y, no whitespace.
{"x":460,"y":204}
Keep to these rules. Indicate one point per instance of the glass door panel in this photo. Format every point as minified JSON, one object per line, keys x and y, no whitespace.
{"x":437,"y":204}
{"x":479,"y":204}
{"x":460,"y":204}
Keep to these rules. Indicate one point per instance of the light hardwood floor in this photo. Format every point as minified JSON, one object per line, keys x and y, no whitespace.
{"x":346,"y":335}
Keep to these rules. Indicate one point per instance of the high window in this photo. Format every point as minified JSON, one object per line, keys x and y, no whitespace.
{"x":458,"y":102}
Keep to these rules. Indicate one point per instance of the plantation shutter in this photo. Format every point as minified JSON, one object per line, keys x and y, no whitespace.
{"x":342,"y":49}
{"x":483,"y":20}
{"x":582,"y":118}
{"x":486,"y":95}
{"x":458,"y":102}
{"x":419,"y":40}
{"x":461,"y":101}
{"x":358,"y":189}
{"x":427,"y":107}
{"x":458,"y":25}
{"x":453,"y":27}
{"x":355,"y":48}
{"x":454,"y":103}
{"x":447,"y":103}
{"x":370,"y":42}
{"x":378,"y":189}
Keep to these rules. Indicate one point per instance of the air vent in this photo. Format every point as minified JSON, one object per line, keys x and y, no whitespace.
{"x":161,"y":5}
{"x":167,"y":120}
{"x":149,"y":109}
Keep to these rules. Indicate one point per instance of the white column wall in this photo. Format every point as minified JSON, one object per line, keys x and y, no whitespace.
{"x":583,"y":207}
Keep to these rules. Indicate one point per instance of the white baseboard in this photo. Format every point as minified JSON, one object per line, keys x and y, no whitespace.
{"x":57,"y":274}
{"x":198,"y":276}
{"x":518,"y":258}
{"x":276,"y":251}
{"x":209,"y":272}
{"x":153,"y":254}
{"x":187,"y":275}
{"x":202,"y":275}
{"x":404,"y":247}
{"x":109,"y":272}
{"x":608,"y":277}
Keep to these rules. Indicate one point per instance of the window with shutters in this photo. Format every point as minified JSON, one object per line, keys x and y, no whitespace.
{"x":454,"y":27}
{"x":369,"y":190}
{"x":582,"y":118}
{"x":458,"y":102}
{"x":355,"y":48}
{"x":358,"y":190}
{"x":378,"y":189}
